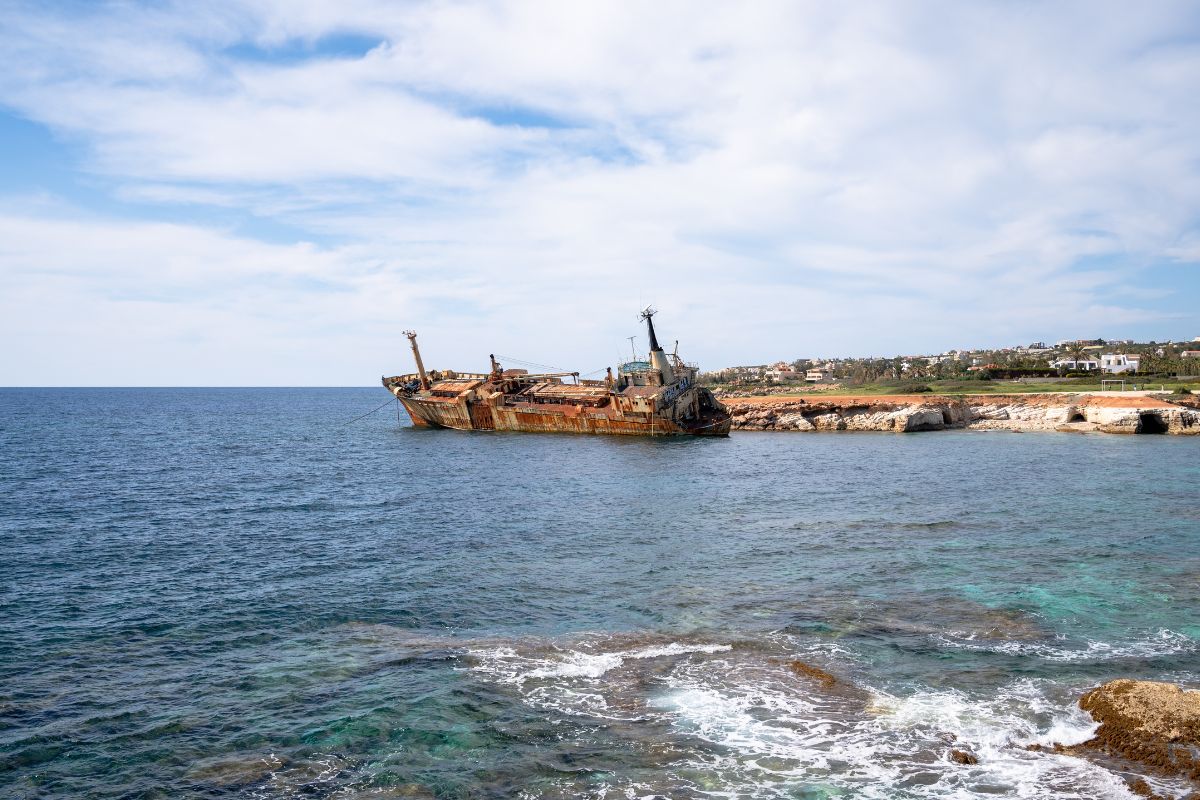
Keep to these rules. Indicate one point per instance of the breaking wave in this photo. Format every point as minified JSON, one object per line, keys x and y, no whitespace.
{"x":1162,"y":643}
{"x":511,"y":666}
{"x":752,"y":726}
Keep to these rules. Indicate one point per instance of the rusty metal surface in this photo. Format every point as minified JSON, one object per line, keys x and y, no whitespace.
{"x":563,"y":391}
{"x":554,"y":407}
{"x":642,"y":391}
{"x":461,"y":415}
{"x":456,"y":386}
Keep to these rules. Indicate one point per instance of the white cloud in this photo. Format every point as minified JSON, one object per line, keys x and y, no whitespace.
{"x":803,"y":175}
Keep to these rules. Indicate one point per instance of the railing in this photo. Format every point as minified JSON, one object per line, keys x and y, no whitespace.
{"x":449,"y":374}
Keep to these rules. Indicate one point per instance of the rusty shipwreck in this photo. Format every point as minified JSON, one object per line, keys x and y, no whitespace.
{"x":658,"y":397}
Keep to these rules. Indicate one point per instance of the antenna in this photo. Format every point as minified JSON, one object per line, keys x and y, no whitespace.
{"x":632,"y":349}
{"x":647,"y":315}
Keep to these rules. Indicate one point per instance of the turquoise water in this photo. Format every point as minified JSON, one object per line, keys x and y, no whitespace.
{"x":230,"y":593}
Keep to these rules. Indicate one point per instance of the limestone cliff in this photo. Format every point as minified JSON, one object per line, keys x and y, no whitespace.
{"x":906,"y":413}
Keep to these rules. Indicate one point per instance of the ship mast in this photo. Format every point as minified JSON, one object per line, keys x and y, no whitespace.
{"x":658,"y":359}
{"x":412,"y":338}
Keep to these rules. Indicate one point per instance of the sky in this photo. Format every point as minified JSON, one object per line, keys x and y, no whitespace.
{"x":270,"y":192}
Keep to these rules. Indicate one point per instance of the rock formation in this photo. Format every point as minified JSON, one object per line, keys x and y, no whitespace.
{"x":1154,"y":724}
{"x":907,"y":413}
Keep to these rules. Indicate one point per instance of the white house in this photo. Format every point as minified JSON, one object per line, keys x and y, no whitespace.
{"x":1076,"y":365}
{"x":783,"y":372}
{"x":1119,"y":362}
{"x":818,"y":375}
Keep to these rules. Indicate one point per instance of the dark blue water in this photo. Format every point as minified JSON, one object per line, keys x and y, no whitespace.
{"x":231,"y":593}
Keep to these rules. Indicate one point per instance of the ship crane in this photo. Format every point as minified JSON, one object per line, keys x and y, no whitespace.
{"x":412,"y":339}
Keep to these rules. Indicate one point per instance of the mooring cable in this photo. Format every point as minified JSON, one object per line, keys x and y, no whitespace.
{"x":369,"y":413}
{"x":530,"y":363}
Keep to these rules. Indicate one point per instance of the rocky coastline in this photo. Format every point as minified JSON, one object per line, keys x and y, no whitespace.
{"x":1079,"y":413}
{"x":1144,"y":727}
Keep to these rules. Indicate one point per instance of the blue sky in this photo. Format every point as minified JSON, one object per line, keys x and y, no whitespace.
{"x":268,"y":193}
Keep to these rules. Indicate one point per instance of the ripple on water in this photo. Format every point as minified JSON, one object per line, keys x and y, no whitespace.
{"x":217,"y":593}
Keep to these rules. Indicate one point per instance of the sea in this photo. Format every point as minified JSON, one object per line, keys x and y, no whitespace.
{"x":292,"y":593}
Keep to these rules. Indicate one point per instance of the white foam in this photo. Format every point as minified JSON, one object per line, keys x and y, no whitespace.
{"x":769,"y":732}
{"x":577,"y":665}
{"x":874,"y":753}
{"x":512,"y":667}
{"x":675,"y":649}
{"x":1163,"y":642}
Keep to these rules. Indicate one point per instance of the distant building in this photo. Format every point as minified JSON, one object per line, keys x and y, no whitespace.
{"x":1119,"y":362}
{"x":783,"y":372}
{"x":1076,"y":365}
{"x":818,"y":375}
{"x":1190,"y":354}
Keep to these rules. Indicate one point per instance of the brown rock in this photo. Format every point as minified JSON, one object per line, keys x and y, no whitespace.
{"x":1140,"y":787}
{"x":826,"y":680}
{"x":1155,"y":724}
{"x":963,"y":757}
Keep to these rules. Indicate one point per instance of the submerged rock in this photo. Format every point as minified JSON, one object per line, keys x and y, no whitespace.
{"x":240,"y":769}
{"x":827,"y":680}
{"x":1154,"y":724}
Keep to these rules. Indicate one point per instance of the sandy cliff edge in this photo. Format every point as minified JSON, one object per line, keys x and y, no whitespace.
{"x":922,"y":412}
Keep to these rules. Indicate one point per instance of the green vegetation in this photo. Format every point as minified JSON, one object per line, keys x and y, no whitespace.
{"x":1033,"y":368}
{"x":1013,"y":387}
{"x":967,"y":387}
{"x":975,"y":386}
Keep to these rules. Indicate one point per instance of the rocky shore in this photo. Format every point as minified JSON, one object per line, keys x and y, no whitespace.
{"x":1150,"y":727}
{"x":1081,"y":413}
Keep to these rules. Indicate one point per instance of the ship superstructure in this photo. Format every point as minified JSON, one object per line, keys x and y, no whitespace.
{"x":658,"y":397}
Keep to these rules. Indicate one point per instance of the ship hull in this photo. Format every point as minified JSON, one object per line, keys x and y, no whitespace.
{"x":466,"y":416}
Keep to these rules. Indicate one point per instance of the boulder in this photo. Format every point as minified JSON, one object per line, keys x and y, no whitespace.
{"x":923,"y":418}
{"x":1183,"y":421}
{"x":1114,"y":420}
{"x":793,"y":421}
{"x":829,"y":422}
{"x":1155,"y":724}
{"x":963,"y":757}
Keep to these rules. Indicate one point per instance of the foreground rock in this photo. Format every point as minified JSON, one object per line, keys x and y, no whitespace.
{"x":908,"y":413}
{"x":1154,"y":724}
